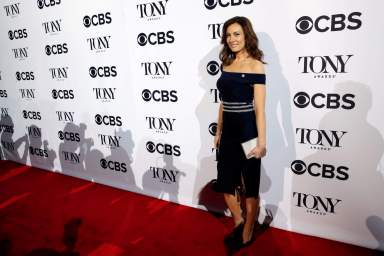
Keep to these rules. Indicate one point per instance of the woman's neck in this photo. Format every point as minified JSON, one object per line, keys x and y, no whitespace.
{"x":241,"y":55}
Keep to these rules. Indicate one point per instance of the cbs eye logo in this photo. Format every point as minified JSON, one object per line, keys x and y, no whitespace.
{"x":298,"y":167}
{"x":151,"y":147}
{"x":301,"y":99}
{"x":146,"y":94}
{"x":213,"y":68}
{"x":304,"y":25}
{"x":104,"y":163}
{"x":212,"y":129}
{"x":210,"y":4}
{"x":142,"y":39}
{"x":48,"y":50}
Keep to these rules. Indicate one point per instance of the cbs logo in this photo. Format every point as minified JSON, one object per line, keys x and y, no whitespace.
{"x":97,"y":19}
{"x":69,"y":136}
{"x":62,"y":94}
{"x":213,"y":68}
{"x":159,"y":95}
{"x":47,"y":3}
{"x":212,"y":129}
{"x":155,"y":38}
{"x":38,"y":152}
{"x":108,"y":120}
{"x":112,"y":165}
{"x":31,"y":115}
{"x":320,"y":170}
{"x":17,"y":34}
{"x":211,"y":4}
{"x":24,"y":76}
{"x":165,"y":149}
{"x":320,"y":100}
{"x":103,"y":71}
{"x":56,"y":49}
{"x":336,"y":22}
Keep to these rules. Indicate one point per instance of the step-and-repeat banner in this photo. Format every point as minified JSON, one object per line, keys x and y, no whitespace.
{"x":124,"y":93}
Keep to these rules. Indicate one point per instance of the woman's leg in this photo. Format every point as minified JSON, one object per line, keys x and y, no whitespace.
{"x":252,"y":205}
{"x":234,"y":207}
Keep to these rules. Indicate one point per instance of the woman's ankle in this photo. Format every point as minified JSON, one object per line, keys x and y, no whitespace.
{"x":238,"y":221}
{"x":247,"y":235}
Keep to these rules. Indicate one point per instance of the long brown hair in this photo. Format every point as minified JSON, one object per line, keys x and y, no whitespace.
{"x":251,"y":41}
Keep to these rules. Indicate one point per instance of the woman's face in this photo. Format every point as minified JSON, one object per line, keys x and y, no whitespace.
{"x":235,"y":37}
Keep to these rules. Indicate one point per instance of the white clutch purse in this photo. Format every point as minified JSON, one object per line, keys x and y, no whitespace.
{"x":248,"y":146}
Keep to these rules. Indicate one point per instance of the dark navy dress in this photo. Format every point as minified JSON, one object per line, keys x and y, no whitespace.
{"x":239,"y":125}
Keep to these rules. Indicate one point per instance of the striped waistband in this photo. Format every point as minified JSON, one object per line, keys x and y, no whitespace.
{"x":237,"y":106}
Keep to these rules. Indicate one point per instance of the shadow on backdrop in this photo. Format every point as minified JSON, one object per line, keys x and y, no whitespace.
{"x":123,"y":154}
{"x":10,"y":148}
{"x":375,"y":224}
{"x":207,"y":113}
{"x":359,"y":148}
{"x":115,"y":169}
{"x":39,"y":154}
{"x":165,"y":180}
{"x":73,"y":147}
{"x":280,"y":135}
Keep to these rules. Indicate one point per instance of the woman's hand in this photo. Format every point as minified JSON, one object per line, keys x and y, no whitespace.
{"x":216,"y":142}
{"x":259,"y":151}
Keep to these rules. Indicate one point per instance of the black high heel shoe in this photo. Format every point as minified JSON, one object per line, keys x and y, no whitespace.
{"x":248,"y":243}
{"x":238,"y":242}
{"x":237,"y":232}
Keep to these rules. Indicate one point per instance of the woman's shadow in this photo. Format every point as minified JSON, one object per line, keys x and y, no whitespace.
{"x":360,"y":150}
{"x":207,"y":112}
{"x":280,"y":135}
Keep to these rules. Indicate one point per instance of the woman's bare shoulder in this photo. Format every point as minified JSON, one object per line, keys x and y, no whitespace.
{"x":257,"y":66}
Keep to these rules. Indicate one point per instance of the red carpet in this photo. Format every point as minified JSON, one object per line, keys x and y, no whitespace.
{"x":44,"y":213}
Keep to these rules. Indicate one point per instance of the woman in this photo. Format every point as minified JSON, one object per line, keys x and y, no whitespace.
{"x":241,"y":118}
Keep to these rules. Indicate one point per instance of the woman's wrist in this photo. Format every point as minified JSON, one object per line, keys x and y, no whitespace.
{"x":218,"y":130}
{"x":262,"y":143}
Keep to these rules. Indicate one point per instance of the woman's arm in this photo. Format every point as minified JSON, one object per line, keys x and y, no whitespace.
{"x":259,"y":93}
{"x":219,"y":126}
{"x":259,"y":103}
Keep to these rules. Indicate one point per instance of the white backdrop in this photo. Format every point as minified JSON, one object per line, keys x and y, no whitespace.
{"x":124,"y":93}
